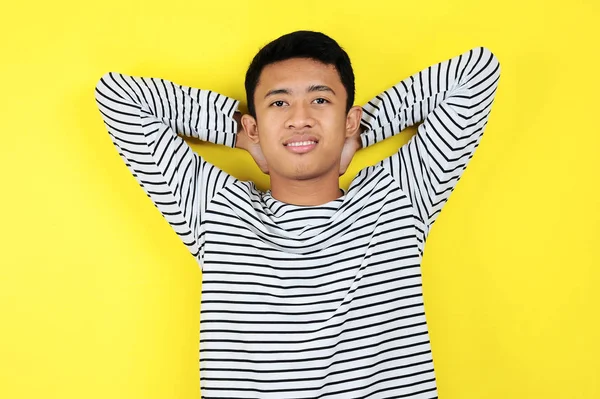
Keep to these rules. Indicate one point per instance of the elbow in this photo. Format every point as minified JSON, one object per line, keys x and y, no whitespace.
{"x":107,"y":88}
{"x":489,"y":56}
{"x":102,"y":85}
{"x":105,"y":80}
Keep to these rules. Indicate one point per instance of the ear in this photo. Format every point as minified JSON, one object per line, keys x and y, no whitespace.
{"x":353,"y":120}
{"x":250,"y":127}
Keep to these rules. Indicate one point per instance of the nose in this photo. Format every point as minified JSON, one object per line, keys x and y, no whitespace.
{"x":299,"y":117}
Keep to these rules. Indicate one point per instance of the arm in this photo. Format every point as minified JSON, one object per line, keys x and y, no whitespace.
{"x":142,"y":116}
{"x":453,"y":99}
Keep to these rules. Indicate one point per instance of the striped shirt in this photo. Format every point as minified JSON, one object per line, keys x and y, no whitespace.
{"x":308,"y":301}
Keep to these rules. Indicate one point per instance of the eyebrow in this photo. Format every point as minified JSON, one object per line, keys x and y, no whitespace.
{"x":311,"y":88}
{"x":320,"y":88}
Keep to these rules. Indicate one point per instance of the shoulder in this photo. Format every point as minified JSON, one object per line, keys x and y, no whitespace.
{"x":369,"y":174}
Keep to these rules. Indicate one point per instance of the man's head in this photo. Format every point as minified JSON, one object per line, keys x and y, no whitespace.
{"x":300,"y":93}
{"x":301,"y":44}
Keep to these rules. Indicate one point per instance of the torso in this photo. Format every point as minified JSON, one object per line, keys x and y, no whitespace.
{"x":306,"y":302}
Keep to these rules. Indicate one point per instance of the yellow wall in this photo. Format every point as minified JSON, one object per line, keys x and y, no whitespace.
{"x":98,"y":299}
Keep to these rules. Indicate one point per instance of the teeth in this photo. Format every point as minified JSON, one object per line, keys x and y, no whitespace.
{"x":301,"y":143}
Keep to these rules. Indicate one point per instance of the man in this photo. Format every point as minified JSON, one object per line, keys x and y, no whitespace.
{"x":308,"y":291}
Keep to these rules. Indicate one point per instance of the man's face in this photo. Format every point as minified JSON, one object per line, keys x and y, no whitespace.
{"x":301,"y":121}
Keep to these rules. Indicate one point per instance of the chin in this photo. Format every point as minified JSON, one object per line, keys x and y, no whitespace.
{"x":308,"y":172}
{"x":297,"y":172}
{"x":302,"y":169}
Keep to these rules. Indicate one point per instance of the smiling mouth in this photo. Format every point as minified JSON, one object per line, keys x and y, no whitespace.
{"x":300,"y":143}
{"x":301,"y":147}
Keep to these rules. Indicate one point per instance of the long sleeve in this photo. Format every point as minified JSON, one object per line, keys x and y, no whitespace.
{"x":453,"y":100}
{"x":143,"y":117}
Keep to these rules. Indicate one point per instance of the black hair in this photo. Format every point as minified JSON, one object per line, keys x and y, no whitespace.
{"x":301,"y":44}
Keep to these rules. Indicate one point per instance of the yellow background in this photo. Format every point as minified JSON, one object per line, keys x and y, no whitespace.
{"x":98,"y":298}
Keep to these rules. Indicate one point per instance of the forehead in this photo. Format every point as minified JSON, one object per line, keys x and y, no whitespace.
{"x":297,"y":73}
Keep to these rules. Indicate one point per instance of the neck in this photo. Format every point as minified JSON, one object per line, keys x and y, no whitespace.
{"x":317,"y":191}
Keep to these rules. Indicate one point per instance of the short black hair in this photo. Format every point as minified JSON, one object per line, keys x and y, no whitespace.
{"x":301,"y":44}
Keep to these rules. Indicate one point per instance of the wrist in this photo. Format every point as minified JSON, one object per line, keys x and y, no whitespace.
{"x":237,"y":117}
{"x":240,"y":137}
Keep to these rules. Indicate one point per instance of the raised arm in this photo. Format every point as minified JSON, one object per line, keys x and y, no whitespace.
{"x":453,"y":99}
{"x":143,"y":117}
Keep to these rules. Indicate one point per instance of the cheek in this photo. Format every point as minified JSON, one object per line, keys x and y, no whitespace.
{"x":269,"y":122}
{"x":269,"y":116}
{"x":269,"y":138}
{"x":335,"y":130}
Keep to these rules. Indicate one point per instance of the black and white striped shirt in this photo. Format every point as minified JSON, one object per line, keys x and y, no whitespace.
{"x":308,"y":301}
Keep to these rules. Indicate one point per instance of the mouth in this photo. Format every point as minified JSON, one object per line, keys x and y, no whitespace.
{"x":301,"y":147}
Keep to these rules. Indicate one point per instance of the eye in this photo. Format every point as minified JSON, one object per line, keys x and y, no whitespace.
{"x":321,"y":101}
{"x":279,"y":103}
